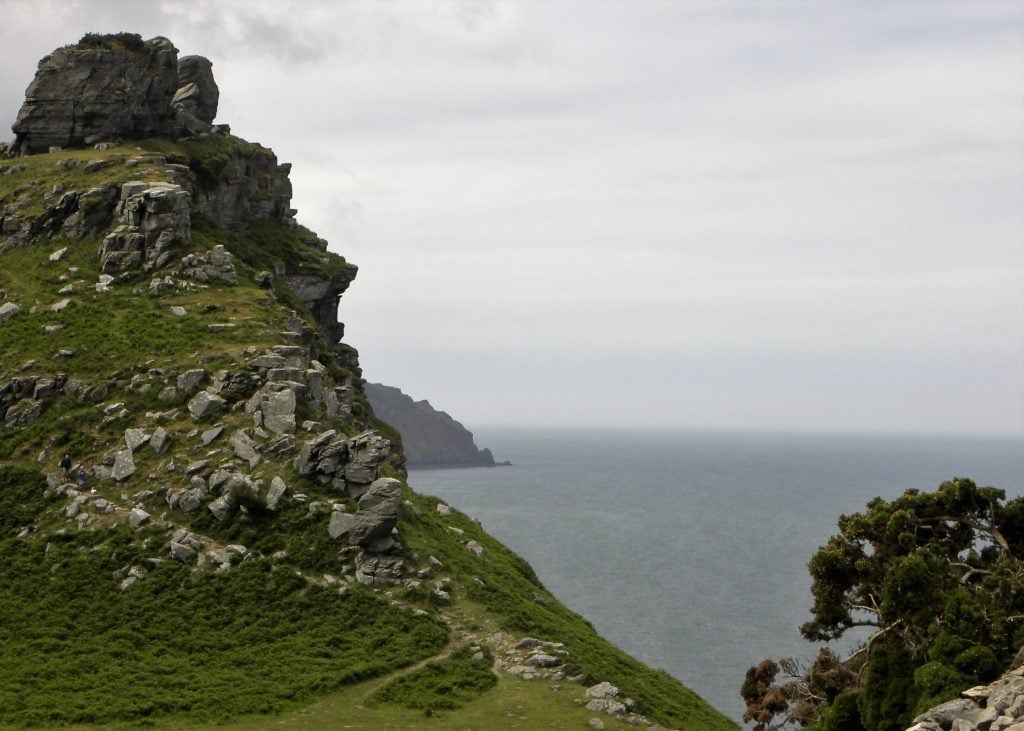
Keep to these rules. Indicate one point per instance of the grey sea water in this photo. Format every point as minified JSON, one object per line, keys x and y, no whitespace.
{"x":689,"y":550}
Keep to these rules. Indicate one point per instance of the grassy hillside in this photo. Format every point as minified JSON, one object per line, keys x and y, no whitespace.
{"x":265,"y":624}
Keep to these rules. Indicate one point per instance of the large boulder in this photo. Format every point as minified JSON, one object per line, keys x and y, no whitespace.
{"x":197,"y":93}
{"x":379,"y":509}
{"x":103,"y":88}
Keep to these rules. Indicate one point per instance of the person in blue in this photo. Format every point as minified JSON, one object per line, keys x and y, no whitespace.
{"x":81,"y":477}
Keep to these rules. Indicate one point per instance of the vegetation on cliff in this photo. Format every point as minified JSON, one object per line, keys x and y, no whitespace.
{"x":938,"y":579}
{"x":243,"y":541}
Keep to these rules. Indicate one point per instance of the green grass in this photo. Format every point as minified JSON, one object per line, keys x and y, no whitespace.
{"x":196,"y":645}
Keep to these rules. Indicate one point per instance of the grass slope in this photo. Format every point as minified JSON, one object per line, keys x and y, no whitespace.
{"x":186,"y":647}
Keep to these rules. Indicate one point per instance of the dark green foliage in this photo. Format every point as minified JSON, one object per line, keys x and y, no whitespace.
{"x":444,"y":684}
{"x":76,"y":649}
{"x":21,"y":496}
{"x":129,"y":41}
{"x":940,"y":578}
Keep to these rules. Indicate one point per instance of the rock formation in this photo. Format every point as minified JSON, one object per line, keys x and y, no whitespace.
{"x":119,"y":87}
{"x":430,"y":438}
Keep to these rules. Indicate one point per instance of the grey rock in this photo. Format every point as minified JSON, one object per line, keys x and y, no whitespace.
{"x":603,"y":690}
{"x":89,"y":93}
{"x":607,"y":705}
{"x":191,"y":500}
{"x":204,"y":405}
{"x":197,"y":92}
{"x":190,"y":380}
{"x":8,"y":310}
{"x":138,"y":517}
{"x":245,"y":448}
{"x":379,"y":509}
{"x":277,"y":491}
{"x":340,"y":524}
{"x":375,"y":569}
{"x":197,"y":466}
{"x":134,"y":439}
{"x":210,"y":434}
{"x":160,"y":441}
{"x":279,"y":412}
{"x":181,"y":552}
{"x":124,"y":466}
{"x":223,"y":507}
{"x":542,"y":660}
{"x":475,"y":548}
{"x":267,"y":361}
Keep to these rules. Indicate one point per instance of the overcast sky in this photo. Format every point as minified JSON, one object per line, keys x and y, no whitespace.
{"x":771,"y":215}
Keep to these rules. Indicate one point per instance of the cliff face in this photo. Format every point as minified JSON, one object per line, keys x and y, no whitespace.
{"x":431,"y":438}
{"x":189,"y":467}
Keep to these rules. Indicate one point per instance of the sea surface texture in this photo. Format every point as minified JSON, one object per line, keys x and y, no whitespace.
{"x":689,"y":550}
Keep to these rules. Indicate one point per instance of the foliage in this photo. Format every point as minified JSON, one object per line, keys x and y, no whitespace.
{"x":443,"y":684}
{"x":77,"y":649}
{"x":939,"y":579}
{"x":129,"y":41}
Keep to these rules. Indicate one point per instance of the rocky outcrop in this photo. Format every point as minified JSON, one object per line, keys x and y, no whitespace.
{"x":115,"y":87}
{"x":995,"y":707}
{"x":430,"y":438}
{"x":155,"y":223}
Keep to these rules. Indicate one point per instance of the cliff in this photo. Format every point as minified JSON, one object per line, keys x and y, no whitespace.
{"x":431,"y":438}
{"x":234,"y":535}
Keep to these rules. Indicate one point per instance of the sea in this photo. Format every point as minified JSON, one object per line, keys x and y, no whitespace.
{"x":689,"y":550}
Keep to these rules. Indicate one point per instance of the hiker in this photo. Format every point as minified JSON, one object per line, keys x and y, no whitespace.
{"x":81,"y":477}
{"x":65,"y":466}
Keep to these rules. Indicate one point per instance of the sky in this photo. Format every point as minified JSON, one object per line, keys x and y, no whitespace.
{"x":782,"y":216}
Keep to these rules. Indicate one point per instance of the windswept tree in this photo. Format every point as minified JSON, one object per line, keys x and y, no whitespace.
{"x":939,"y":580}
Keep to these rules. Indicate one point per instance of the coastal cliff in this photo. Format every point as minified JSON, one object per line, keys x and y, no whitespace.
{"x":431,"y":438}
{"x":201,"y":516}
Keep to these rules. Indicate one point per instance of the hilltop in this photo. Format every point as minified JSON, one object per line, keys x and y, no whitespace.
{"x":243,"y":547}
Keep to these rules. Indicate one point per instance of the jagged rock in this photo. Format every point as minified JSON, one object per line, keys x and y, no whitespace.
{"x":223,"y":507}
{"x":198,"y":466}
{"x":379,"y":509}
{"x":189,"y":381}
{"x":603,"y":690}
{"x":103,"y":88}
{"x":181,"y":552}
{"x":138,"y":517}
{"x":135,"y":573}
{"x":376,"y":569}
{"x":207,"y":437}
{"x":104,"y":506}
{"x":277,"y":491}
{"x":607,"y":705}
{"x":191,"y":499}
{"x":245,"y":448}
{"x":475,"y":548}
{"x":340,"y":524}
{"x":8,"y":310}
{"x":197,"y":95}
{"x":367,"y":451}
{"x":542,"y":660}
{"x":279,"y":412}
{"x":160,"y":441}
{"x":215,"y":265}
{"x":267,"y":361}
{"x":124,"y":466}
{"x":134,"y":439}
{"x":204,"y":405}
{"x":155,"y":222}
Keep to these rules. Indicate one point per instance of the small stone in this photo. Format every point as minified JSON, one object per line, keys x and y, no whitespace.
{"x":178,"y":311}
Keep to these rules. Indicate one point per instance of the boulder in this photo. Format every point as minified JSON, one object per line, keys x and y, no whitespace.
{"x":8,"y":310}
{"x":223,"y":507}
{"x":245,"y":448}
{"x":340,"y":524}
{"x":138,"y":517}
{"x":160,"y":441}
{"x":124,"y":466}
{"x":197,"y":92}
{"x":103,"y":88}
{"x":189,"y":381}
{"x":277,"y":491}
{"x":134,"y":439}
{"x":205,"y":405}
{"x":379,"y":509}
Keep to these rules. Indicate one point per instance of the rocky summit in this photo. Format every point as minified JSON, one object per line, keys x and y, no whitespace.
{"x":201,"y":516}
